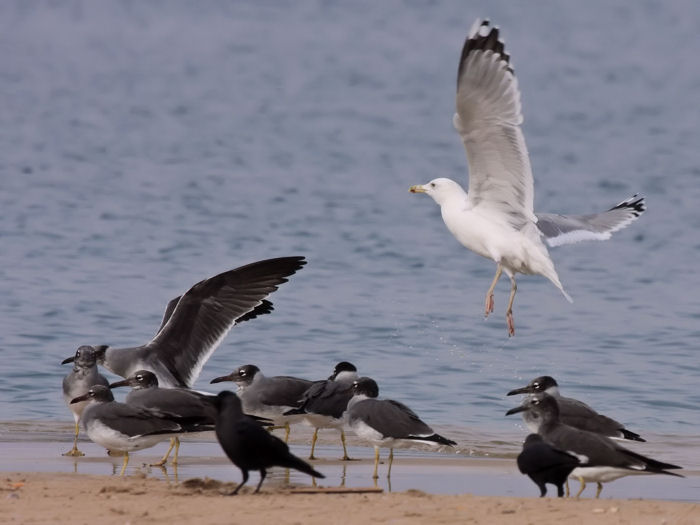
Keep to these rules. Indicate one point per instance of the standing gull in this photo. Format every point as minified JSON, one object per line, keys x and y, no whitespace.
{"x":387,"y":423}
{"x":181,"y":403}
{"x":78,"y":382}
{"x":544,"y":463}
{"x":495,"y":218}
{"x":248,"y":445}
{"x":122,"y":427}
{"x":324,"y":403}
{"x":572,"y":412}
{"x":195,"y":323}
{"x":601,"y":459}
{"x":268,"y":397}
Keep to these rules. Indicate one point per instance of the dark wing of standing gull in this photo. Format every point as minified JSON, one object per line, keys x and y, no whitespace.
{"x":284,"y":391}
{"x":207,"y":311}
{"x":488,"y":120}
{"x":568,"y":229}
{"x":393,"y":420}
{"x":132,"y":421}
{"x":577,"y":414}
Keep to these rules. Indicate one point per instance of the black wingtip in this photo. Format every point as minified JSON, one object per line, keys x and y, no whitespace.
{"x":632,"y":436}
{"x":483,"y":37}
{"x":636,"y":204}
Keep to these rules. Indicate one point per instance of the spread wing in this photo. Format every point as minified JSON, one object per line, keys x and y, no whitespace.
{"x":568,"y":229}
{"x":206,"y":312}
{"x":488,"y":119}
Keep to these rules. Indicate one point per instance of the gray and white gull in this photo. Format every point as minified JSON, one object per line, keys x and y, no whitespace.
{"x":78,"y":382}
{"x":495,"y":218}
{"x":601,"y":459}
{"x":195,"y":323}
{"x":572,"y":412}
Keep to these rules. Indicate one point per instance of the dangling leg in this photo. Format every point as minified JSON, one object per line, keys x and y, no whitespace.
{"x":164,"y":459}
{"x":74,"y":451}
{"x":391,"y":460}
{"x":600,"y":488}
{"x":509,"y":310}
{"x":313,"y":443}
{"x":489,"y":294}
{"x":245,"y":479}
{"x":126,"y":460}
{"x":345,"y":450}
{"x":583,"y":486}
{"x":376,"y":462}
{"x":263,"y":473}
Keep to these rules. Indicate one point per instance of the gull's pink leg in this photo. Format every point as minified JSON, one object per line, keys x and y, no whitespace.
{"x":489,"y":294}
{"x":509,"y":310}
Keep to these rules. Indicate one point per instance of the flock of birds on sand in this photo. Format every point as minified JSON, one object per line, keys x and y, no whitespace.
{"x":494,"y":218}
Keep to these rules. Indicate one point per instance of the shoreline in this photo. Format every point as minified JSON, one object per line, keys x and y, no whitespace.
{"x":79,"y":498}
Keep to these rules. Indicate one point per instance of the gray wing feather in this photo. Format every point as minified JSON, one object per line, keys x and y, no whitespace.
{"x":568,"y":229}
{"x":390,"y":418}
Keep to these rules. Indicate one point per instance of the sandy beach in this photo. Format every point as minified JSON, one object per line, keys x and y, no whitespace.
{"x":39,"y":485}
{"x":78,"y":498}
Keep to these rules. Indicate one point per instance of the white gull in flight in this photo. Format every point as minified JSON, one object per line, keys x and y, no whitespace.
{"x":495,"y":217}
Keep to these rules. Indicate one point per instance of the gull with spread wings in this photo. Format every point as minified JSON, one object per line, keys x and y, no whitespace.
{"x":495,"y":217}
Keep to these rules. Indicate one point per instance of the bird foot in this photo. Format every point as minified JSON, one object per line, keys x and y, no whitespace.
{"x":311,"y":456}
{"x":348,"y":458}
{"x":489,"y":305}
{"x":511,"y":324}
{"x":73,"y":453}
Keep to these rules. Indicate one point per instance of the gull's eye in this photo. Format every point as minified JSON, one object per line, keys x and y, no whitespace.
{"x":432,"y":184}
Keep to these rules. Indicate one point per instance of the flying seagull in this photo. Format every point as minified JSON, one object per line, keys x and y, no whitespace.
{"x":248,"y":445}
{"x":195,"y":323}
{"x":573,"y":412}
{"x":602,"y":459}
{"x":495,"y":217}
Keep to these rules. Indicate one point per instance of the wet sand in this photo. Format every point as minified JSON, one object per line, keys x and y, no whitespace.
{"x":78,"y":498}
{"x":41,"y":486}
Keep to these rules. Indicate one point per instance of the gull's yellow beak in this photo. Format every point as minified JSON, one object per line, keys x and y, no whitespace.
{"x":416,"y":189}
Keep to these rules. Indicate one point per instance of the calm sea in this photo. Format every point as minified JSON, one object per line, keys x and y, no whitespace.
{"x":147,"y":145}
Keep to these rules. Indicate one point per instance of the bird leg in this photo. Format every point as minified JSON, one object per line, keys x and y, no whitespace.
{"x":345,"y":450}
{"x":376,"y":462}
{"x":74,"y":451}
{"x":509,"y":310}
{"x":164,"y":459}
{"x":313,"y":443}
{"x":583,"y":486}
{"x":489,"y":294}
{"x":391,"y":460}
{"x":126,"y":460}
{"x":567,"y":488}
{"x":286,"y":432}
{"x":263,"y":473}
{"x":245,"y":479}
{"x":598,"y":490}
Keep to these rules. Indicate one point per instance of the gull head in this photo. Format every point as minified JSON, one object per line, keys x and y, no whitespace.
{"x":441,"y":190}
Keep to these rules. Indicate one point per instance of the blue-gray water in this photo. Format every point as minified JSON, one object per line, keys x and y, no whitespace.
{"x":147,"y":145}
